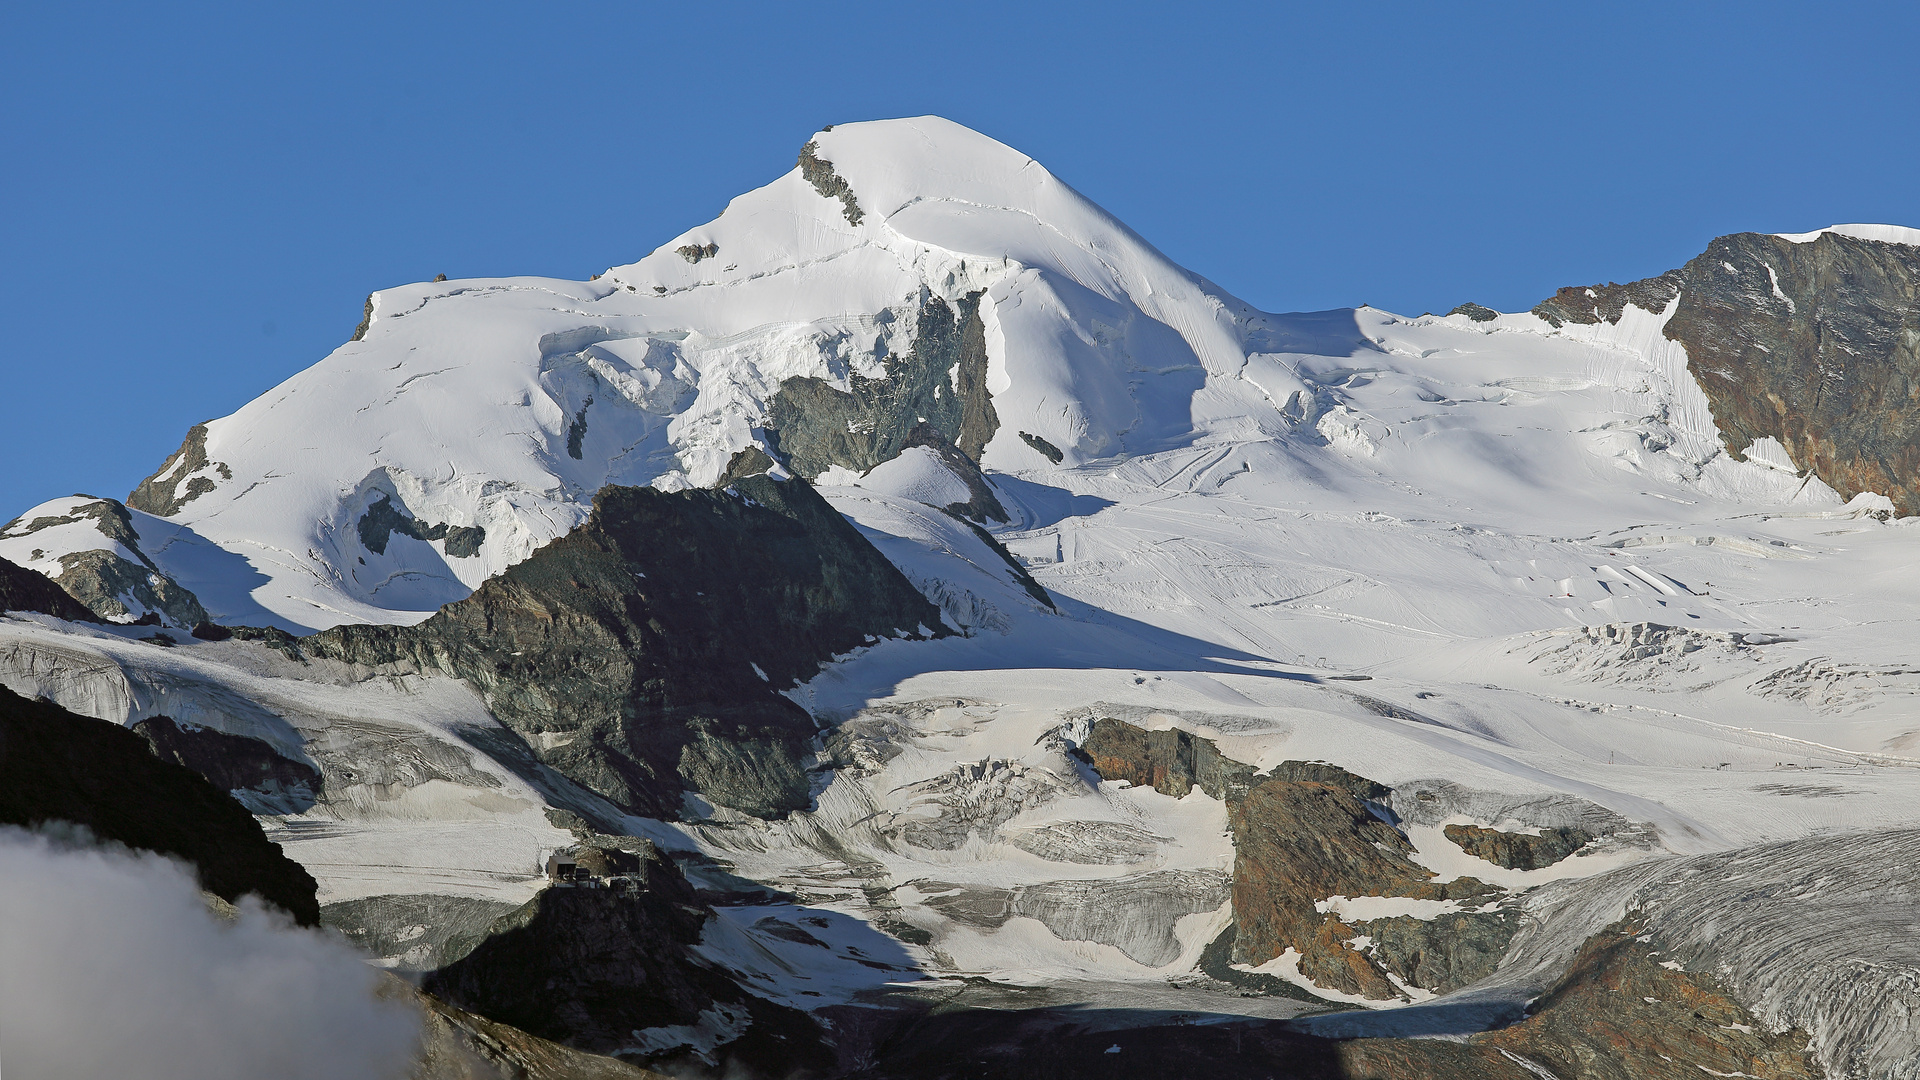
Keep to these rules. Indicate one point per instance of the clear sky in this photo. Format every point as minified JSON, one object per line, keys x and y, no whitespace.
{"x":200,"y":196}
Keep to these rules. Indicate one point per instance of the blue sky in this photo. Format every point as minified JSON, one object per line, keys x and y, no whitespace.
{"x":200,"y":196}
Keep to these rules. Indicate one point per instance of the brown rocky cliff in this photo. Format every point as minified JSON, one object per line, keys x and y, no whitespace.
{"x":1300,"y":841}
{"x":1816,"y":344}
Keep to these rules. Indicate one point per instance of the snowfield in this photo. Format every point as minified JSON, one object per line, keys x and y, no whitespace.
{"x":1498,"y":555}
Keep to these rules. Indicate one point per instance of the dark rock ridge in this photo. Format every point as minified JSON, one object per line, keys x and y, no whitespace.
{"x":58,"y":766}
{"x":179,"y":480}
{"x":22,"y":589}
{"x":1476,"y":312}
{"x":381,"y":521}
{"x":641,"y":654}
{"x":263,"y":779}
{"x":105,"y":582}
{"x":595,"y":968}
{"x":818,"y":171}
{"x":693,"y":253}
{"x":942,"y":381}
{"x":981,"y":504}
{"x":1815,"y":344}
{"x":1518,"y":851}
{"x":1043,"y":447}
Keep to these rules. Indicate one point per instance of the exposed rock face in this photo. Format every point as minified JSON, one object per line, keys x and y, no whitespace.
{"x":106,"y":582}
{"x":693,"y":253}
{"x":982,"y":504}
{"x":1298,"y":842}
{"x":607,"y":970}
{"x":1444,"y":953}
{"x":1515,"y":850}
{"x":1816,"y":344}
{"x":1476,"y":312}
{"x":1303,"y":832}
{"x":459,"y":1045}
{"x":22,"y":589}
{"x":58,"y":766}
{"x":381,"y":521}
{"x":1171,"y":761}
{"x":1619,"y":1014}
{"x":260,"y":777}
{"x":942,"y":380}
{"x":819,"y":172}
{"x":183,"y":477}
{"x":640,"y":655}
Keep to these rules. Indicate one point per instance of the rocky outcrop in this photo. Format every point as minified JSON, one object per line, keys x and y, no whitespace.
{"x":1622,"y":1012}
{"x":459,"y":1045}
{"x":1816,"y":344}
{"x":1043,"y":447}
{"x":381,"y":521}
{"x":57,"y":766}
{"x":693,"y":253}
{"x":1299,"y":842}
{"x":982,"y":504}
{"x":942,"y":381}
{"x":100,"y":577}
{"x":1518,"y":850}
{"x":1303,"y":832}
{"x":183,"y":477}
{"x":607,"y":970}
{"x":22,"y":589}
{"x":818,"y":171}
{"x":1171,"y":761}
{"x":641,"y":655}
{"x":1135,"y":914}
{"x":252,"y":771}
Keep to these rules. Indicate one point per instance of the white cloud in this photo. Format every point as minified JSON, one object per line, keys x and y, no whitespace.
{"x":112,"y":966}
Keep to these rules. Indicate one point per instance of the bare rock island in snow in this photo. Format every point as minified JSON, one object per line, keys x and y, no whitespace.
{"x":908,"y":627}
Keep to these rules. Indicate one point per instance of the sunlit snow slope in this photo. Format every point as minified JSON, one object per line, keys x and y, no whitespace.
{"x":1502,"y":557}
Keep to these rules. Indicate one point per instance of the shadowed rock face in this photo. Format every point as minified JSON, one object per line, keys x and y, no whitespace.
{"x":595,"y":968}
{"x":59,"y":766}
{"x":22,"y":589}
{"x":942,"y":380}
{"x":252,"y":771}
{"x":641,"y":654}
{"x":1518,"y":851}
{"x":103,"y":581}
{"x":1814,"y":344}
